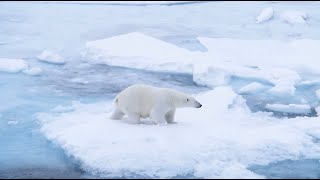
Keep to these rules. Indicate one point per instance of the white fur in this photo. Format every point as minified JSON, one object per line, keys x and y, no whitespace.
{"x":142,"y":101}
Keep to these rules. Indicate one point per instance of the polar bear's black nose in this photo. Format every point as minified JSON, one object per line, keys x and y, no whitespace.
{"x":199,"y":105}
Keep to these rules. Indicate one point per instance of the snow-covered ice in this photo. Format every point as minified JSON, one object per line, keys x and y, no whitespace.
{"x":265,"y":15}
{"x":136,"y":50}
{"x":252,"y":88}
{"x":265,"y":60}
{"x":50,"y":57}
{"x":252,"y":58}
{"x":12,"y":65}
{"x":218,"y":140}
{"x":33,"y":71}
{"x":294,"y":17}
{"x":290,"y":108}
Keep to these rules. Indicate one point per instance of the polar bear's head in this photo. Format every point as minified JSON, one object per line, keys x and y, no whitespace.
{"x":187,"y":101}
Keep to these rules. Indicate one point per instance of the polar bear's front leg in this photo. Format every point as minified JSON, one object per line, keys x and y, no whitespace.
{"x":157,"y":115}
{"x":117,"y":114}
{"x":170,"y":116}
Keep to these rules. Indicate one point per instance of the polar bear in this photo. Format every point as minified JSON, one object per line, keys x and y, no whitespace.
{"x":142,"y":101}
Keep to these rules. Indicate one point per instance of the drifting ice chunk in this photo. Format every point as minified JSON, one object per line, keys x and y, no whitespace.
{"x":265,"y":15}
{"x":50,"y":57}
{"x":211,"y":76}
{"x":285,"y":81}
{"x":129,"y":50}
{"x":13,"y":122}
{"x":12,"y":65}
{"x":291,"y":108}
{"x":33,"y":71}
{"x":252,"y":88}
{"x":294,"y":17}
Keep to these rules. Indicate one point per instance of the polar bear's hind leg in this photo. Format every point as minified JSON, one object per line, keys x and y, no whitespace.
{"x":134,"y":118}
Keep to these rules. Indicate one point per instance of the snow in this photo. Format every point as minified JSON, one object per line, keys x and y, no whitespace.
{"x":12,"y":65}
{"x":294,"y":17}
{"x":290,"y":108}
{"x":50,"y":57}
{"x":219,"y":140}
{"x":252,"y":88}
{"x":318,"y":94}
{"x":33,"y":71}
{"x":265,"y":15}
{"x":136,"y":50}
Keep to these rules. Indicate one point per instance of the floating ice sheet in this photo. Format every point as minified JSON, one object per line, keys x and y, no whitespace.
{"x":219,"y":140}
{"x":12,"y":65}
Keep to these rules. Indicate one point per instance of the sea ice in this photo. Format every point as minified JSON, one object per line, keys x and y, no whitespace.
{"x":13,"y":122}
{"x":33,"y":71}
{"x":129,"y":50}
{"x":290,"y":108}
{"x":265,"y":15}
{"x":50,"y":57}
{"x":294,"y":17}
{"x":12,"y":65}
{"x":252,"y":88}
{"x":219,"y":140}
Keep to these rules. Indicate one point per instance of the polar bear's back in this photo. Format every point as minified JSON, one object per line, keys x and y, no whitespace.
{"x":137,"y":98}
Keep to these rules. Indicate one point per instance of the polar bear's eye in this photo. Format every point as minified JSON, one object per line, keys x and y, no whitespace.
{"x":187,"y":99}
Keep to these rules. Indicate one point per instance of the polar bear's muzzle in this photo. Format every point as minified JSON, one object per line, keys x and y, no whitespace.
{"x":198,"y":105}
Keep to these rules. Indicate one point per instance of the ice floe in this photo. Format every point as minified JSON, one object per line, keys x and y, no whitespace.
{"x":12,"y":65}
{"x":219,"y":140}
{"x":136,"y":50}
{"x":290,"y":108}
{"x":294,"y":17}
{"x":13,"y":122}
{"x":271,"y":62}
{"x":33,"y":71}
{"x":50,"y":57}
{"x":265,"y":15}
{"x":252,"y":88}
